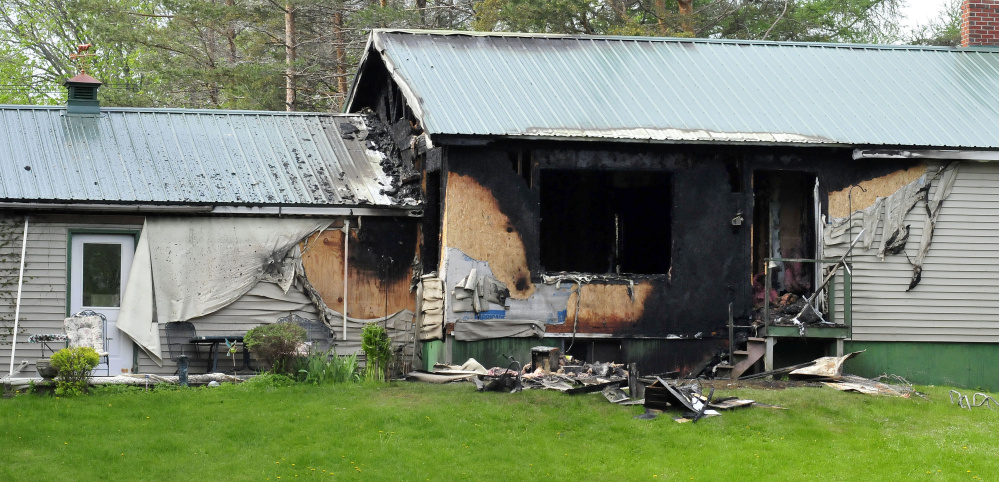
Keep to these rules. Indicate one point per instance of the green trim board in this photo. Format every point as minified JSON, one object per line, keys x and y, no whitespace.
{"x":69,"y":252}
{"x":967,"y":365}
{"x":810,"y":331}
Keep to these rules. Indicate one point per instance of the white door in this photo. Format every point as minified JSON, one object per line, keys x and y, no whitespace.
{"x":98,"y":273}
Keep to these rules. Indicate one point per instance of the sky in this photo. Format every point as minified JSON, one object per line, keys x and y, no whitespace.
{"x":921,"y":11}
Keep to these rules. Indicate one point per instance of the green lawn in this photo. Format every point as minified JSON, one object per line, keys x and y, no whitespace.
{"x":407,"y":431}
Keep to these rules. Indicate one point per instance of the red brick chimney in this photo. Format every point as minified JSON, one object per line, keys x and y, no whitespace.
{"x":979,"y":23}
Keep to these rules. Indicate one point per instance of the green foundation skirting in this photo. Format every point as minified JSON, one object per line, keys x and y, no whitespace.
{"x":967,"y":365}
{"x":490,"y":352}
{"x":434,"y":351}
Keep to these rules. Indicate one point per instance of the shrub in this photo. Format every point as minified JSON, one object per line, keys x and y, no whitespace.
{"x":74,"y":365}
{"x":269,"y":380}
{"x":377,"y":351}
{"x":275,"y":344}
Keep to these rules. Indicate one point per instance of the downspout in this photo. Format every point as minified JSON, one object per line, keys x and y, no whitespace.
{"x":346,"y":244}
{"x":17,"y":306}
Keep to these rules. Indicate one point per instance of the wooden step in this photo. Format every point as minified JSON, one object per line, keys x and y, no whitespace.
{"x":746,"y":358}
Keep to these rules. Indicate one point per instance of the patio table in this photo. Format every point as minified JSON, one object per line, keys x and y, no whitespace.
{"x":213,"y":342}
{"x":45,"y":339}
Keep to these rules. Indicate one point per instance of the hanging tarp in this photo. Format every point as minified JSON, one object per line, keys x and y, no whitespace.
{"x":185,"y":268}
{"x":474,"y":330}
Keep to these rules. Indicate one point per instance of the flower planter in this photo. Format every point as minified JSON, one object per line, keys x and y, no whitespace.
{"x":45,"y":369}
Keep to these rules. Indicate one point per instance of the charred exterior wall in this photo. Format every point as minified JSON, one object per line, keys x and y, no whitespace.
{"x":492,"y":221}
{"x":492,"y":215}
{"x":380,"y":266}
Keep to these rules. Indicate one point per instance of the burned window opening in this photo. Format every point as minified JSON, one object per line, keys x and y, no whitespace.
{"x":430,"y":255}
{"x":520,"y":161}
{"x":784,"y":227}
{"x":606,"y":221}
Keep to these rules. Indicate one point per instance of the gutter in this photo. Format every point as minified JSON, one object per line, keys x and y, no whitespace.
{"x":959,"y":155}
{"x":414,"y":211}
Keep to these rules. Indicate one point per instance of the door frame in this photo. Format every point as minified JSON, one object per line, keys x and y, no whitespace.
{"x":69,"y":268}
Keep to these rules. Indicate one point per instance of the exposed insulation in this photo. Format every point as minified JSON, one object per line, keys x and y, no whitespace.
{"x":884,"y":186}
{"x":475,"y":225}
{"x":604,"y":308}
{"x":366,"y":292}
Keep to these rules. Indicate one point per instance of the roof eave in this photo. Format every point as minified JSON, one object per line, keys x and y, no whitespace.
{"x":225,"y":209}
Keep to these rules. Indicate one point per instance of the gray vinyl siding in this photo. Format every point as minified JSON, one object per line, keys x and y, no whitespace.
{"x":43,"y":294}
{"x":264,"y":303}
{"x":958,"y":297}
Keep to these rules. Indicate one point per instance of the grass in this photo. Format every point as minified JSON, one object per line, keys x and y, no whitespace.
{"x":407,"y":431}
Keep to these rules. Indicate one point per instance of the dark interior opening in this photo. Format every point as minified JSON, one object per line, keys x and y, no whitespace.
{"x":430,"y":252}
{"x":591,"y":351}
{"x":520,"y":161}
{"x":784,"y":227}
{"x":606,"y":221}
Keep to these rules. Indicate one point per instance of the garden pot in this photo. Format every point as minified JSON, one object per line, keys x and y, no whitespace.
{"x":45,"y":368}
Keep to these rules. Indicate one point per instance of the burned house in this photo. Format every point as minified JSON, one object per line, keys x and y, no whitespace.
{"x":629,"y":199}
{"x":224,"y":219}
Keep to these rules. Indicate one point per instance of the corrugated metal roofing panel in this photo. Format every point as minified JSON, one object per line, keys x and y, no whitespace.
{"x":695,"y":90}
{"x":170,"y":156}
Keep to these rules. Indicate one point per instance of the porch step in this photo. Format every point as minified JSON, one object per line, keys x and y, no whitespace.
{"x":743,"y":359}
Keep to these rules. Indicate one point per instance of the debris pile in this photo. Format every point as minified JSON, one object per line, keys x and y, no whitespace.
{"x":398,"y":144}
{"x":852,"y":383}
{"x":685,"y":397}
{"x":783,"y":310}
{"x":574,"y":378}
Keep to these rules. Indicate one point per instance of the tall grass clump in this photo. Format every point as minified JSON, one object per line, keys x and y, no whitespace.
{"x":377,"y":348}
{"x":326,"y":367}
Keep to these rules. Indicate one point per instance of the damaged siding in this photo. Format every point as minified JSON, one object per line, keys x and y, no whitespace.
{"x":957,"y":299}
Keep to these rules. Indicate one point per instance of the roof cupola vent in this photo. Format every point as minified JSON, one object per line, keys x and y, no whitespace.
{"x":82,"y":87}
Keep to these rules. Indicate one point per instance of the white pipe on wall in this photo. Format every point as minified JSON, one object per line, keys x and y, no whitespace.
{"x":346,"y":245}
{"x":17,"y":306}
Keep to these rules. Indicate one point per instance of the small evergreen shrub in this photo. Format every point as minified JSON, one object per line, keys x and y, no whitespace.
{"x":74,"y":365}
{"x":275,"y":344}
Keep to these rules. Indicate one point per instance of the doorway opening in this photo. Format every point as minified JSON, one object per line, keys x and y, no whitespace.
{"x":784,"y":227}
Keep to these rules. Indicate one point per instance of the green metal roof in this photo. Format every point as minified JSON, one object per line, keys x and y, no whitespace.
{"x":175,"y":156}
{"x":691,"y":90}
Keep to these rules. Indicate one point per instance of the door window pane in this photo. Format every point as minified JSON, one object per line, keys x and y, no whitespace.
{"x":101,"y":274}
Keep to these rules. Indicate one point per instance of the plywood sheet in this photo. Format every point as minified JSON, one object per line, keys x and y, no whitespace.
{"x":839,"y":202}
{"x":367,"y":295}
{"x":476,"y":226}
{"x":604,"y":308}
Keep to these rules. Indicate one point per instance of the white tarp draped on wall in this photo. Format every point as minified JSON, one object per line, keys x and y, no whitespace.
{"x":190,"y":267}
